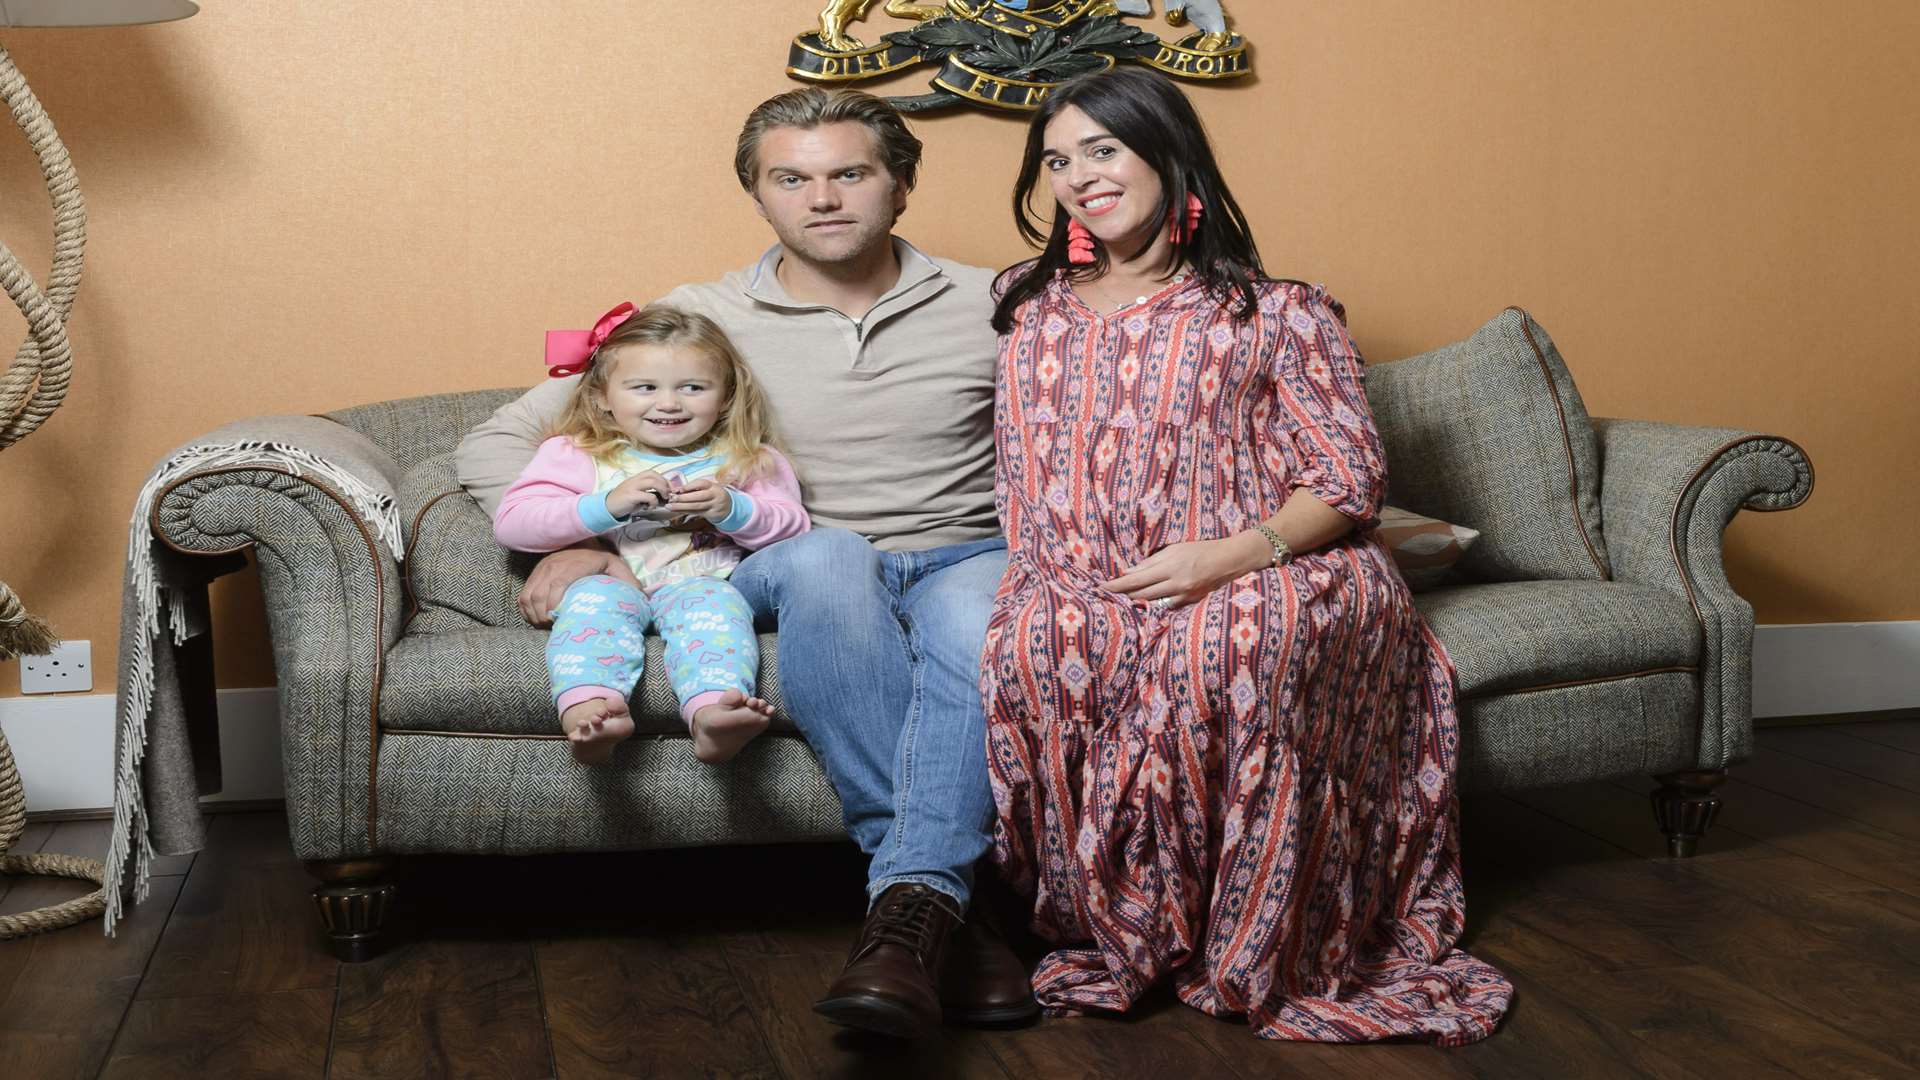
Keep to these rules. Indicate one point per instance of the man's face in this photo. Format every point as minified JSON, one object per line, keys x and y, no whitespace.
{"x":826,"y":191}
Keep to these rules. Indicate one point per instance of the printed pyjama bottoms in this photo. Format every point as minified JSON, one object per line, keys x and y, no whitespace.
{"x":598,"y":646}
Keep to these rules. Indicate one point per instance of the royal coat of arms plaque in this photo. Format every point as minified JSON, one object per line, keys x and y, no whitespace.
{"x":1009,"y":54}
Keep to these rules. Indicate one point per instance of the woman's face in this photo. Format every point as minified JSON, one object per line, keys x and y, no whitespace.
{"x":1100,"y":182}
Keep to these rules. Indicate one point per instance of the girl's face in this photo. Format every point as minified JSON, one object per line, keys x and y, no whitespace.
{"x":663,"y":396}
{"x":1099,"y":181}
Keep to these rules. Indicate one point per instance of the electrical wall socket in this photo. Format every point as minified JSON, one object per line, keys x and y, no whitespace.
{"x":67,"y":668}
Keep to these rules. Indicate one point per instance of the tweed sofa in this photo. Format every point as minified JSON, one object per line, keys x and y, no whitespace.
{"x":1592,"y":628}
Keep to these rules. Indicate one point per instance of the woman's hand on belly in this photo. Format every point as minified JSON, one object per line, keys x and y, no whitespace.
{"x":1187,"y":572}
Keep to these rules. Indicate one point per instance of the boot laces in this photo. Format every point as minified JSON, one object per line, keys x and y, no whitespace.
{"x":907,"y":921}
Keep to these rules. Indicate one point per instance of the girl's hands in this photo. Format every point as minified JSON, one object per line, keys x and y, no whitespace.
{"x":1187,"y":572}
{"x":702,"y":498}
{"x":641,"y":491}
{"x":653,"y":496}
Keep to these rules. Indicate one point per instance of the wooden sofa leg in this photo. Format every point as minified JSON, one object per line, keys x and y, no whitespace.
{"x":1685,"y":804}
{"x":353,"y":898}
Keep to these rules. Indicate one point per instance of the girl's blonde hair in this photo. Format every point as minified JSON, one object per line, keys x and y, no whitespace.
{"x":740,"y":437}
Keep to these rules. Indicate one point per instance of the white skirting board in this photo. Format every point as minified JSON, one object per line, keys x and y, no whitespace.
{"x":63,"y":743}
{"x":1815,"y":669}
{"x":63,"y":746}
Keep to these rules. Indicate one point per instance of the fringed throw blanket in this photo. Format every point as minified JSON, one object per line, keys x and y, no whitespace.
{"x":165,"y":758}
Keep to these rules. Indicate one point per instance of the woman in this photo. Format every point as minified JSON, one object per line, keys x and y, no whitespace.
{"x":1222,"y":740}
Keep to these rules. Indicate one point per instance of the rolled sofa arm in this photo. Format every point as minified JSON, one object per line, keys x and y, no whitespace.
{"x":1667,"y":493}
{"x":315,"y":501}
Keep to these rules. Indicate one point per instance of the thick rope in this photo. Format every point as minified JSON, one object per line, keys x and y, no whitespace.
{"x":36,"y":381}
{"x":13,"y":799}
{"x":34,"y":385}
{"x":77,"y":910}
{"x":13,"y":821}
{"x":21,"y":633}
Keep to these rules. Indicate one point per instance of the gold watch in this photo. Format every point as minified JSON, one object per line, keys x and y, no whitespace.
{"x":1282,"y":554}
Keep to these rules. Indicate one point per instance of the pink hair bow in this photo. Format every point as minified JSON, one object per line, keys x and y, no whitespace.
{"x":570,"y":351}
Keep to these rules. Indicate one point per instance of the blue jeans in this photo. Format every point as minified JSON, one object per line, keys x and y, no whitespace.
{"x":880,"y":666}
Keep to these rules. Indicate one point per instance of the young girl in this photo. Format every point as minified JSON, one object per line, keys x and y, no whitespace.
{"x":662,"y":455}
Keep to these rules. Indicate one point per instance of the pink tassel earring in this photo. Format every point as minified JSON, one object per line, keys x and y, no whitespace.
{"x":1194,"y":208}
{"x":1079,"y":244}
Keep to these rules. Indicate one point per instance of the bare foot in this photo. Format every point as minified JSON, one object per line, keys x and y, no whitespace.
{"x":595,"y":727}
{"x":722,"y":728}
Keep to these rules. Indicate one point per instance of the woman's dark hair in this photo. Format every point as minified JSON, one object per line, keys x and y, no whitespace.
{"x":1156,"y":121}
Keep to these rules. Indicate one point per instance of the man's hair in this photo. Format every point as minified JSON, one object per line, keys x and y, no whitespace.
{"x":812,"y":106}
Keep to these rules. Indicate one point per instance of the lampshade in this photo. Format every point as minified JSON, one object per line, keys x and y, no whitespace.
{"x":92,"y":12}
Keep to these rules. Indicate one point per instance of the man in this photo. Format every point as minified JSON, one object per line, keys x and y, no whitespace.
{"x":878,"y":361}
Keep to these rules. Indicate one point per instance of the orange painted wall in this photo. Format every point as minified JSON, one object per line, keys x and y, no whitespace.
{"x":294,"y":207}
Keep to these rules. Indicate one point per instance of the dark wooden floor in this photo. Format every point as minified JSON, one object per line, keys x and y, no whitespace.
{"x":1789,"y":947}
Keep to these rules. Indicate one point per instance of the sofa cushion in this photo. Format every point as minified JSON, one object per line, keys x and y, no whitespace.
{"x":1637,"y":726}
{"x":526,"y":796}
{"x":1491,"y":434}
{"x":493,"y":680}
{"x":458,"y":576}
{"x":1525,"y":635}
{"x":411,"y":430}
{"x":1423,"y":548}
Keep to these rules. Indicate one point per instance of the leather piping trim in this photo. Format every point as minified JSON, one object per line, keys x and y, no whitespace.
{"x":406,"y":576}
{"x":1673,"y":523}
{"x":1811,"y":479}
{"x":379,"y":613}
{"x":1673,"y":533}
{"x":1566,"y":441}
{"x":1678,"y":669}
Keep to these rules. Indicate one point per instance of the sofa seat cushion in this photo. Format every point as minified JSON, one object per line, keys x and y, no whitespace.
{"x":1639,"y":726}
{"x":493,"y":680}
{"x":526,"y":796}
{"x":1491,"y":433}
{"x":1524,"y":635}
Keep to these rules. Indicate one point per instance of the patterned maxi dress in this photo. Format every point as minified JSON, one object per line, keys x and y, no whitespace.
{"x":1254,"y":793}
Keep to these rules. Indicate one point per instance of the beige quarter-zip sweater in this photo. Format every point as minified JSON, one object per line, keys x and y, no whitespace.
{"x":887,"y":419}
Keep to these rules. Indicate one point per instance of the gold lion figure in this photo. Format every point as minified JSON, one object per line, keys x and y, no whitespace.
{"x":838,"y":13}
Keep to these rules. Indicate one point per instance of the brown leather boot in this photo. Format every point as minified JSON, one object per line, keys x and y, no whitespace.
{"x":985,"y":982}
{"x":889,"y":982}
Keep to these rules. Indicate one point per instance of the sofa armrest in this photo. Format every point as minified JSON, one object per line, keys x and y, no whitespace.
{"x":1667,"y":493}
{"x":314,"y":501}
